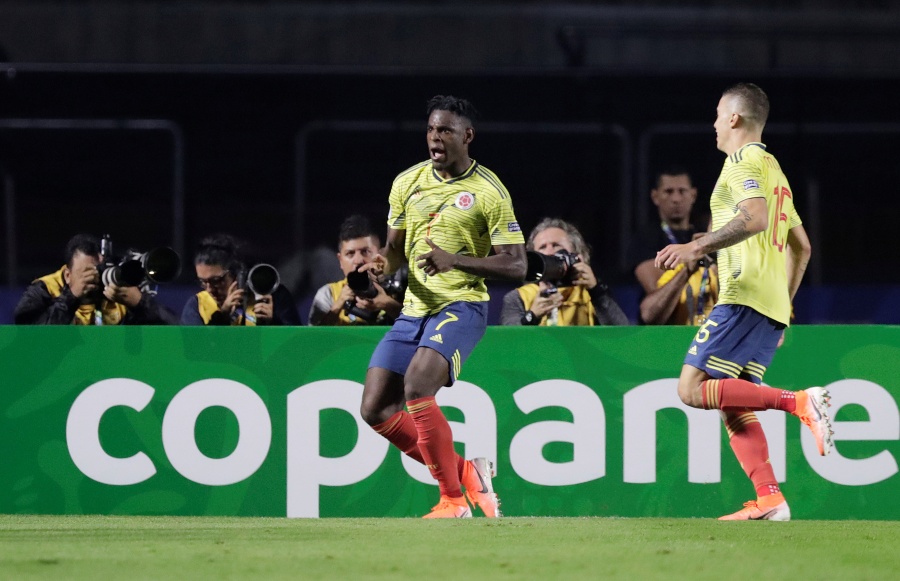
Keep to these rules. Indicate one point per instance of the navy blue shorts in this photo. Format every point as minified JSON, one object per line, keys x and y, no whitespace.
{"x":453,"y":332}
{"x":735,"y":341}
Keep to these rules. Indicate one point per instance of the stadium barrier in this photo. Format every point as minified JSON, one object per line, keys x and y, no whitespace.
{"x":580,"y":421}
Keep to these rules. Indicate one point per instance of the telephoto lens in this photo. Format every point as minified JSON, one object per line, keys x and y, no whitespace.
{"x":552,"y":269}
{"x":361,"y":284}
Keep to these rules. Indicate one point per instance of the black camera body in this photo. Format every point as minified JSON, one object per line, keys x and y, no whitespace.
{"x":134,"y":268}
{"x":364,"y":287}
{"x":555,"y":269}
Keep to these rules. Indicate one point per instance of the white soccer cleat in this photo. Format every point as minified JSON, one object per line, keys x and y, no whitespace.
{"x":812,"y":409}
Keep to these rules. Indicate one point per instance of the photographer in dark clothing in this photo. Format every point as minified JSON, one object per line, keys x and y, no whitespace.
{"x":579,"y":298}
{"x":75,"y":295}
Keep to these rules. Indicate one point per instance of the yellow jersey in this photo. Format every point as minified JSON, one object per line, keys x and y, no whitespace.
{"x":754,"y":271}
{"x":466,"y":215}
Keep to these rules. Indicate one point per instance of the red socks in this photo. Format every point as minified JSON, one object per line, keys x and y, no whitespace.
{"x":745,"y":434}
{"x":400,"y":430}
{"x":436,"y":444}
{"x":739,"y":394}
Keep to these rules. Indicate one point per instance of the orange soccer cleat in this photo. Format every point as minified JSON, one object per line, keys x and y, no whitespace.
{"x":812,"y":409}
{"x":476,"y":478}
{"x":771,"y":507}
{"x":450,"y":508}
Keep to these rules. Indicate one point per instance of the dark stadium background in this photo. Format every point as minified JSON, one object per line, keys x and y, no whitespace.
{"x":161,"y":122}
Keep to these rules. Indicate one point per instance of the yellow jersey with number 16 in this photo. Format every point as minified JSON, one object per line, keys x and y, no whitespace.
{"x":754,"y":271}
{"x":466,"y":215}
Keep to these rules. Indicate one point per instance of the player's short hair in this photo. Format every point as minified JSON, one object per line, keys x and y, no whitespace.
{"x":455,"y":105}
{"x":754,"y":102}
{"x":579,"y":246}
{"x":672,"y":170}
{"x":85,"y":243}
{"x":223,"y":250}
{"x":356,"y":226}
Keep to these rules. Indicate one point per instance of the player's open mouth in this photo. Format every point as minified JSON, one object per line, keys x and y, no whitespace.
{"x":438,"y":154}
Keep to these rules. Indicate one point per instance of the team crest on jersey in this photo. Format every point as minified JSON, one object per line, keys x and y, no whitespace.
{"x":464,"y":201}
{"x":751,"y":185}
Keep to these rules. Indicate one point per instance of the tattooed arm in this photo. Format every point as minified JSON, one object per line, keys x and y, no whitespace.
{"x":752,"y":218}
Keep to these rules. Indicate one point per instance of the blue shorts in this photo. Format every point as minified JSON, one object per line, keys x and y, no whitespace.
{"x":453,"y":332}
{"x":735,"y":341}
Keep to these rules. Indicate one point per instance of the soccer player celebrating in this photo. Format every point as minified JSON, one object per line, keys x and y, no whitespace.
{"x":446,"y":214}
{"x":763,"y":251}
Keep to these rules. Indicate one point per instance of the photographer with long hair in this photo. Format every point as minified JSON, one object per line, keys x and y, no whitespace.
{"x":577,"y":298}
{"x":226,"y":298}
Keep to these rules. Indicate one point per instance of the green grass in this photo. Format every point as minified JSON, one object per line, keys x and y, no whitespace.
{"x":104,"y":547}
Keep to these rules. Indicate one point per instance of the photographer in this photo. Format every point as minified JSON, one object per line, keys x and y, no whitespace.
{"x":683,"y":296}
{"x":75,"y":294}
{"x":577,"y":298}
{"x":336,"y":303}
{"x":225,"y":299}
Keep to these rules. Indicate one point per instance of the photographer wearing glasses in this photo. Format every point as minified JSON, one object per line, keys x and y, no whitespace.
{"x":363,"y":303}
{"x":228,"y":295}
{"x":568,"y":292}
{"x":77,"y":295}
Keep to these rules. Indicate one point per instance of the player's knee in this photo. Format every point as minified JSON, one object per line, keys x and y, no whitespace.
{"x":370,"y":414}
{"x":690,"y":394}
{"x":419,"y":390}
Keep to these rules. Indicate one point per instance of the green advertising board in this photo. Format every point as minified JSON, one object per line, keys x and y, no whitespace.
{"x":579,"y":421}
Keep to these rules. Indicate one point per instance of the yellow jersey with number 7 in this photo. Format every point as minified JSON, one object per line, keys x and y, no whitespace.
{"x":464,"y":215}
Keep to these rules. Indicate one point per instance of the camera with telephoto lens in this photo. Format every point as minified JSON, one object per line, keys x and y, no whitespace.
{"x":263,"y":279}
{"x":394,"y":286}
{"x":555,"y":269}
{"x":135,"y":268}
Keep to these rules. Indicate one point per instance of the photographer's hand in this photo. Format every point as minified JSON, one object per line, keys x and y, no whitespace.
{"x":584,"y":275}
{"x":233,"y":299}
{"x":437,"y":260}
{"x":264,"y":308}
{"x":130,"y":296}
{"x":380,"y":302}
{"x":543,"y":305}
{"x":347,"y":294}
{"x":84,"y":281}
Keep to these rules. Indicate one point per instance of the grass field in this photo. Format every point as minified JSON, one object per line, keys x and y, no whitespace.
{"x":102,"y":547}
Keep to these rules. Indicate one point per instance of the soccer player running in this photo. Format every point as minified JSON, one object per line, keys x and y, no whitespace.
{"x":446,"y":214}
{"x":763,"y":251}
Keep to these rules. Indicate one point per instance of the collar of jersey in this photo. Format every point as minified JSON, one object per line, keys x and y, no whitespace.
{"x":462,"y":176}
{"x":755,"y":144}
